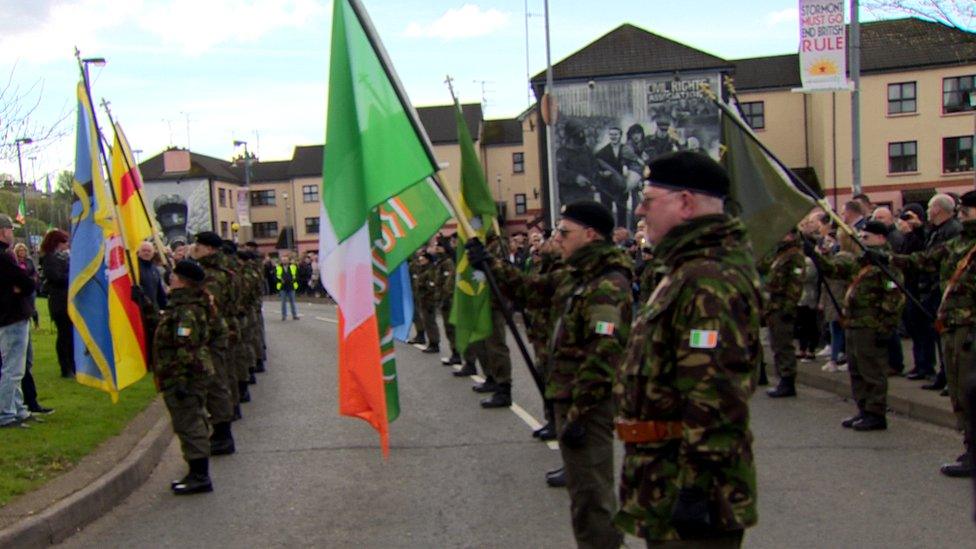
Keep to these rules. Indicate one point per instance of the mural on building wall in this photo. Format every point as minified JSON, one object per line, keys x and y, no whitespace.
{"x":182,"y":208}
{"x":609,"y":129}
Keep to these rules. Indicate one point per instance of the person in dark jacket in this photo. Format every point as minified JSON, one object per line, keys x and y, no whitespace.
{"x":16,"y":309}
{"x":54,"y":262}
{"x":153,"y":298}
{"x":27,"y":385}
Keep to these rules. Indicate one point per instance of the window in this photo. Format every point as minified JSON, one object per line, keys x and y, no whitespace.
{"x":263,"y":198}
{"x":520,"y":204}
{"x":755,"y":114}
{"x":955,"y":93}
{"x":518,"y":162}
{"x":222,"y":197}
{"x":901,"y":98}
{"x":223,"y":228}
{"x":957,"y":154}
{"x":902,"y":157}
{"x":311,"y":225}
{"x":310,"y":193}
{"x":267,"y":229}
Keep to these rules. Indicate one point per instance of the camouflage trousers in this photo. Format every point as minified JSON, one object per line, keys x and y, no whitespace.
{"x":867,"y":362}
{"x":448,"y":327}
{"x":189,"y":418}
{"x":959,"y":350}
{"x":243,"y":353}
{"x":428,"y":316}
{"x":257,"y":335}
{"x":589,"y":478}
{"x":492,"y":352}
{"x":781,"y":325}
{"x":220,"y":400}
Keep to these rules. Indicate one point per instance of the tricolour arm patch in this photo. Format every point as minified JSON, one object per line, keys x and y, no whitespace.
{"x":703,"y":339}
{"x":604,"y":328}
{"x":183,"y":331}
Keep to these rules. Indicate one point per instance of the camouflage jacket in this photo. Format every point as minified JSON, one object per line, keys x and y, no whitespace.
{"x":654,"y":271}
{"x":251,"y":275}
{"x":219,"y":284}
{"x":592,"y":302}
{"x":181,"y":345}
{"x":783,"y":277}
{"x":427,"y":290}
{"x":958,"y":307}
{"x":871,"y":300}
{"x":443,"y":275}
{"x":693,"y":356}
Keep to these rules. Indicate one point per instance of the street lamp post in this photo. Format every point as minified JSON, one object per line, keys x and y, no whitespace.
{"x":23,"y":188}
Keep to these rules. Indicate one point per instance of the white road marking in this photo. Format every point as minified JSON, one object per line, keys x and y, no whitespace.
{"x":532,"y":422}
{"x":324,"y":319}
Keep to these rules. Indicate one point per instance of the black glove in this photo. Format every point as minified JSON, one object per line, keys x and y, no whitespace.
{"x":876,"y":256}
{"x":180,"y":393}
{"x":573,"y":435}
{"x":478,"y":256}
{"x":809,"y":248}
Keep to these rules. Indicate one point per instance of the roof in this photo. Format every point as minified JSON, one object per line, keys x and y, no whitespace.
{"x":200,"y":166}
{"x":503,"y":132}
{"x":261,"y":172}
{"x":631,"y":50}
{"x":442,"y":127}
{"x":307,"y":161}
{"x":886,"y":46}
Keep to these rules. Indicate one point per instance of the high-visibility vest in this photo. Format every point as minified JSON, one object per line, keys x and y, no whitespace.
{"x":294,"y":276}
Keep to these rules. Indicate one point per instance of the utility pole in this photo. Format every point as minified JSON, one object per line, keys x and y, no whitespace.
{"x":855,"y":67}
{"x":550,"y":134}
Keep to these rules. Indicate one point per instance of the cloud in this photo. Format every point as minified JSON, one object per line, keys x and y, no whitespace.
{"x":468,"y":21}
{"x":789,"y":16}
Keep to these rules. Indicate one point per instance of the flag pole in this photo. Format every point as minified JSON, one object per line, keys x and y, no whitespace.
{"x":108,"y":172}
{"x":160,"y":248}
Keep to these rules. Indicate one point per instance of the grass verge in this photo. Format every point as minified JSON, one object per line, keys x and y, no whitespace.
{"x":84,"y":418}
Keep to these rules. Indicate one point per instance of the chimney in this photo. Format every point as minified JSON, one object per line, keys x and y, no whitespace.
{"x":176,"y":161}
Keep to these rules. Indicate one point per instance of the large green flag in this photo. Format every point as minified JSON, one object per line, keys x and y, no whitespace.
{"x":765,"y":190}
{"x":409,"y":219}
{"x":471,"y":307}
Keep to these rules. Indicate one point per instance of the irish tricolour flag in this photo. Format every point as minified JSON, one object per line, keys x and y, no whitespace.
{"x":375,"y":150}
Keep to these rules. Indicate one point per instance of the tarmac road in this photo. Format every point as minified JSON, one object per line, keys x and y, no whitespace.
{"x":460,"y":476}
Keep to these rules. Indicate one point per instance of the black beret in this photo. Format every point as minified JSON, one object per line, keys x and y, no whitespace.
{"x":228,"y":246}
{"x":876,"y":227}
{"x":687,"y":170}
{"x":968,"y":200}
{"x":591,"y":214}
{"x":190,"y":270}
{"x":916,"y":209}
{"x":209,"y":238}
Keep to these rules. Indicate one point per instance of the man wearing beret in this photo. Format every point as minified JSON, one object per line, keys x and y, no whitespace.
{"x":689,"y":368}
{"x":223,"y":384}
{"x":183,"y":369}
{"x":591,"y":301}
{"x":783,"y":269}
{"x":872,"y":308}
{"x":954,"y":261}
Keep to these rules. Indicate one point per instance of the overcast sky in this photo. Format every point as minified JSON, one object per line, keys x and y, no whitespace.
{"x":206,"y":72}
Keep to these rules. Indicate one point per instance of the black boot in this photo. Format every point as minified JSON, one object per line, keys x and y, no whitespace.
{"x":963,"y":466}
{"x":222,"y":440}
{"x":556,"y":478}
{"x":489,"y":386}
{"x":849,"y":422}
{"x":259,"y":367}
{"x":870,"y":422}
{"x":432,"y":348}
{"x":419,"y":339}
{"x":251,"y":378}
{"x":245,"y":394}
{"x":455,"y":358}
{"x":502,"y":398}
{"x":938,"y":384}
{"x":763,"y":380}
{"x":468,"y":369}
{"x":237,"y":412}
{"x":546,"y":432}
{"x":198,"y":481}
{"x":786,"y":388}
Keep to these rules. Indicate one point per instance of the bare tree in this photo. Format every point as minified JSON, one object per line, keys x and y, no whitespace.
{"x":959,"y":14}
{"x":19,"y":117}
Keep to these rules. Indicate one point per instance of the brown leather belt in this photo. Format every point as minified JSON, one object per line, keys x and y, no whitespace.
{"x":642,"y":432}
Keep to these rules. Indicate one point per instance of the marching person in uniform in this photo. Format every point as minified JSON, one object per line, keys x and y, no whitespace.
{"x":183,"y":369}
{"x":690,"y":367}
{"x":784,"y":270}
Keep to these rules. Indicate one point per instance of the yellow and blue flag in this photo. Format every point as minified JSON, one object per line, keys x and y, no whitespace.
{"x":109,"y":338}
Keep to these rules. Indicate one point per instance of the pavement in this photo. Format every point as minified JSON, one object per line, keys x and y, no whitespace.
{"x":120,"y":466}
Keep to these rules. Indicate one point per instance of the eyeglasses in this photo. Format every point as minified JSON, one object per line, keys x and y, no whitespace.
{"x":563,"y":232}
{"x":646,"y":202}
